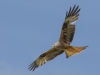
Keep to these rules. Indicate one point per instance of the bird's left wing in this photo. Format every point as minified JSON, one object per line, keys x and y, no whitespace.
{"x":68,"y":28}
{"x":43,"y":58}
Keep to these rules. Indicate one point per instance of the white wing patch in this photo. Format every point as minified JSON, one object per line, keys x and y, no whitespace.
{"x":73,"y":22}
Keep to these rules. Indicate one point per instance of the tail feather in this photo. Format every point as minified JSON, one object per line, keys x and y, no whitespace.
{"x":72,"y":50}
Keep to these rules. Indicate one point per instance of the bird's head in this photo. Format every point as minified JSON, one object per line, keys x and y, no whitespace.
{"x":55,"y":44}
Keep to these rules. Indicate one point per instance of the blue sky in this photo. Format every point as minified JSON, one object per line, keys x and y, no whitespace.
{"x":30,"y":27}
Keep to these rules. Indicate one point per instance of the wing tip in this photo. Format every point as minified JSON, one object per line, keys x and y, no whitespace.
{"x":32,"y":66}
{"x":72,"y":11}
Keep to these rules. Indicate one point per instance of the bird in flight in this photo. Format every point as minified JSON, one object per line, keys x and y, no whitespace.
{"x":63,"y":45}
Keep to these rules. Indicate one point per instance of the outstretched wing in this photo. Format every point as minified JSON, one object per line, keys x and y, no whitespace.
{"x":71,"y":32}
{"x":72,"y":50}
{"x":43,"y":58}
{"x":68,"y":28}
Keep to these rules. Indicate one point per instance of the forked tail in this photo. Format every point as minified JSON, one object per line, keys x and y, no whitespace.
{"x":72,"y":50}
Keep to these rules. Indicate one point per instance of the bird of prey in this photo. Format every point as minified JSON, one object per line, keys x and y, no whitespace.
{"x":63,"y":45}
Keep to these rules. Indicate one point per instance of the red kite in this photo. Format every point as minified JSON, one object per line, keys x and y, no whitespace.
{"x":63,"y":45}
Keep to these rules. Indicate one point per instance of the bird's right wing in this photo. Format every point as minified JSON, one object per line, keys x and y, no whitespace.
{"x":68,"y":30}
{"x":43,"y":58}
{"x":71,"y":32}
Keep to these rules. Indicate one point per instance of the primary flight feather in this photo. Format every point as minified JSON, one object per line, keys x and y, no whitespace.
{"x":63,"y":45}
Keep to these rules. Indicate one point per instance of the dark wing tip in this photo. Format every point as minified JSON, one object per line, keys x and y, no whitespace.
{"x":72,"y":11}
{"x":33,"y":66}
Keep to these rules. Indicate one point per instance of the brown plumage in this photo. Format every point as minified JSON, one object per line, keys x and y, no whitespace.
{"x":72,"y":50}
{"x":63,"y":45}
{"x":68,"y":29}
{"x":43,"y":58}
